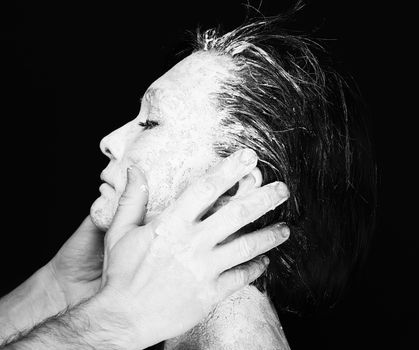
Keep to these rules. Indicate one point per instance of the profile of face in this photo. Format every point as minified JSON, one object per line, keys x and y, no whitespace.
{"x":171,"y":140}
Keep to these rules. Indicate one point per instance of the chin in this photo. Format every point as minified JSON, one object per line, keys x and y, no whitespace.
{"x":102,"y":212}
{"x":104,"y":208}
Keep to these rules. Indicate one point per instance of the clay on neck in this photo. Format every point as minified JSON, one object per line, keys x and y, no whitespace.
{"x":246,"y":320}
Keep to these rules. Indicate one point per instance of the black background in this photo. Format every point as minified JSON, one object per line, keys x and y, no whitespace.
{"x":80,"y":72}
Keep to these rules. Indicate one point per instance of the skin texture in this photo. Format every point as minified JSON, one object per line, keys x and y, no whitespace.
{"x":245,"y":321}
{"x":172,"y":155}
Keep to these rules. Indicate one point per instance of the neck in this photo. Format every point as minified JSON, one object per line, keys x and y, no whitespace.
{"x":246,"y":320}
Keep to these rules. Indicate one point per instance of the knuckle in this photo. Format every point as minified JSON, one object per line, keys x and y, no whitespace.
{"x":171,"y":226}
{"x":272,"y":236}
{"x":204,"y":188}
{"x":240,"y":276}
{"x":246,"y":247}
{"x":238,"y":212}
{"x":267,"y":198}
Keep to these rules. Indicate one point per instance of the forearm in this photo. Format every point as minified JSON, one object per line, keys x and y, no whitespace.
{"x":88,"y":325}
{"x":29,"y":304}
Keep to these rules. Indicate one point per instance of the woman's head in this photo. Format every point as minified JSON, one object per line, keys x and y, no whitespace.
{"x":263,"y":88}
{"x":171,"y":139}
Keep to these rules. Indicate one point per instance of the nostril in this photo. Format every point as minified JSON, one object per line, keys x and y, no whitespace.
{"x":107,"y":151}
{"x":112,"y":145}
{"x":104,"y":147}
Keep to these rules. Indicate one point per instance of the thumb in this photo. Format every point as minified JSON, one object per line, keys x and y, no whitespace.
{"x":132,"y":204}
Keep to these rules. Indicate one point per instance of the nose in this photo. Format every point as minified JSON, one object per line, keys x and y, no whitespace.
{"x":113,"y":145}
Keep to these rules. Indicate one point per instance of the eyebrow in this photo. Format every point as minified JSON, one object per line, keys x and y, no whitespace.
{"x":149,"y":94}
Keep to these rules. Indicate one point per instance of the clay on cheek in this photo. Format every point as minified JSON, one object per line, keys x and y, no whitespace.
{"x":174,"y":152}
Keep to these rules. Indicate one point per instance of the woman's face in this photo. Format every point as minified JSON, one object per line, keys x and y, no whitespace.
{"x":176,"y":147}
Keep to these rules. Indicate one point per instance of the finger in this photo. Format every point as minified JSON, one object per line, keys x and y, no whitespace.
{"x":88,"y":226}
{"x":246,"y":184}
{"x":249,"y":182}
{"x":248,"y":246}
{"x":244,"y":210}
{"x":132,"y":204}
{"x":88,"y":237}
{"x":86,"y":243}
{"x":235,"y":279}
{"x":202,"y":194}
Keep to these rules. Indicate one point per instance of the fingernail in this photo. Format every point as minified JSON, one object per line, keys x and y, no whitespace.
{"x":144,"y":188}
{"x":283,"y":229}
{"x":285,"y":232}
{"x":281,"y":193}
{"x":248,"y":156}
{"x":265,"y":260}
{"x":251,"y":180}
{"x":130,"y":171}
{"x":282,"y":189}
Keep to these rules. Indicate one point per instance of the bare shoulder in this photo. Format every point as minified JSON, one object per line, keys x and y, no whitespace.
{"x":246,"y":321}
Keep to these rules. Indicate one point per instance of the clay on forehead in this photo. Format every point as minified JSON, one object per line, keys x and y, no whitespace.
{"x":172,"y":104}
{"x":194,"y":121}
{"x":191,"y":81}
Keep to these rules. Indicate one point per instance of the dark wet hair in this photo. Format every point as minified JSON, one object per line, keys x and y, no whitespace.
{"x":285,"y":100}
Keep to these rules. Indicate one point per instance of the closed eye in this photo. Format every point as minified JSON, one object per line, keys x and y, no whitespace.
{"x":148,"y":124}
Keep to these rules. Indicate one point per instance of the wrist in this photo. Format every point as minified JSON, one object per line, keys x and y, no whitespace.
{"x":30,"y":303}
{"x":112,"y":317}
{"x":94,"y":323}
{"x":50,"y":289}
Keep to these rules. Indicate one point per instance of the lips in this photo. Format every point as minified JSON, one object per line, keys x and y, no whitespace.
{"x":106,"y":180}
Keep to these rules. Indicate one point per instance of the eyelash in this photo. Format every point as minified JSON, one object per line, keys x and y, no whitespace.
{"x":148,"y":124}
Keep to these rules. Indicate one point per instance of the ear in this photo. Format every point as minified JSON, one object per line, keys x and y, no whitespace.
{"x":247,"y":184}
